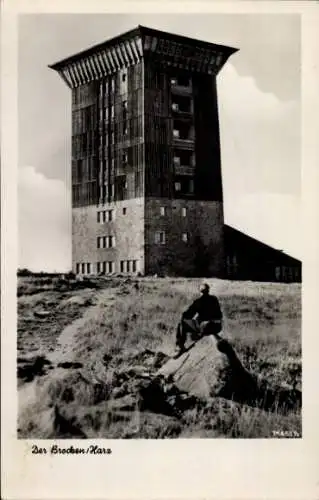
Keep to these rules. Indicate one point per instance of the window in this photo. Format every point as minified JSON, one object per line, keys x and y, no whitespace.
{"x":112,"y":111}
{"x":98,"y":267}
{"x":162,"y":210}
{"x":88,"y":266}
{"x":122,"y":266}
{"x":160,"y":237}
{"x":105,"y":215}
{"x":174,"y":106}
{"x":173,"y":81}
{"x":77,"y":268}
{"x":176,"y":133}
{"x":83,"y":268}
{"x":124,"y":158}
{"x":178,"y":186}
{"x":124,"y":210}
{"x":134,"y":262}
{"x":103,"y":267}
{"x":100,"y":217}
{"x":110,"y":241}
{"x":127,"y":266}
{"x":124,"y":77}
{"x":105,"y":242}
{"x":191,"y":186}
{"x":110,"y":266}
{"x":184,"y":211}
{"x":177,"y":160}
{"x":185,"y":237}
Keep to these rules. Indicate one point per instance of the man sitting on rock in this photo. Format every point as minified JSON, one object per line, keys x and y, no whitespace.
{"x":203,"y":317}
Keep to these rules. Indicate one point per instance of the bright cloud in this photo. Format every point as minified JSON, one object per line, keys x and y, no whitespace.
{"x":260,"y":147}
{"x":44,"y":222}
{"x":260,"y":137}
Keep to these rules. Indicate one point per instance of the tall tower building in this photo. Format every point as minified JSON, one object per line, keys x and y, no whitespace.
{"x":146,"y":171}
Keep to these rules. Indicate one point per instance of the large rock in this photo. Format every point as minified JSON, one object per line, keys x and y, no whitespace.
{"x":210,"y":368}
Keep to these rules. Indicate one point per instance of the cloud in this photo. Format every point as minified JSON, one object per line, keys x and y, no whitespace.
{"x":260,"y":137}
{"x":44,"y":222}
{"x":260,"y":148}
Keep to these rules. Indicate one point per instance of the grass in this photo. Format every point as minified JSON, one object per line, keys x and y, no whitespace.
{"x":263,"y":322}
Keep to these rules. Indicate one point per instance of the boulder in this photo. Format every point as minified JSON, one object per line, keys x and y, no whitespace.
{"x":210,"y":368}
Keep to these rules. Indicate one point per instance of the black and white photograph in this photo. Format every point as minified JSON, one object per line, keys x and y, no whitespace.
{"x":159,"y":249}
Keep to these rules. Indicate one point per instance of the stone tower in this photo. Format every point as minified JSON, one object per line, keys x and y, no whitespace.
{"x":146,"y":172}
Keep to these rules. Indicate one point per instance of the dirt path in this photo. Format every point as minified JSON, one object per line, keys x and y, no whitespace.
{"x":28,"y":393}
{"x":63,"y":351}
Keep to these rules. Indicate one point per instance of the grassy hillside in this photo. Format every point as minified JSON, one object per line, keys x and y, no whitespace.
{"x":123,"y":319}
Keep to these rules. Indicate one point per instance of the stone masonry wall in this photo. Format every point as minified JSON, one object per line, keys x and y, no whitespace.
{"x":128,"y":231}
{"x":201,"y":255}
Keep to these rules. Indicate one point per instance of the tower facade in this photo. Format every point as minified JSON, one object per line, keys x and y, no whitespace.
{"x":146,"y":170}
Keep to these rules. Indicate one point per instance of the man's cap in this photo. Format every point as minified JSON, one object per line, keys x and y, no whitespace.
{"x":204,"y":288}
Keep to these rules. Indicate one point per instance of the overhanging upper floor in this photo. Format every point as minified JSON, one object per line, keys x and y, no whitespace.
{"x":129,"y":48}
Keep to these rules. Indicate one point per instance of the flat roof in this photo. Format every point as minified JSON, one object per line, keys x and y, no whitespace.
{"x":141,"y":31}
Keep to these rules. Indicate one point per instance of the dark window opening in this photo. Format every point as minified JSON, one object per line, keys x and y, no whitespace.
{"x":180,"y":80}
{"x":184,"y":185}
{"x":182,"y":130}
{"x":120,"y":187}
{"x":181,"y":103}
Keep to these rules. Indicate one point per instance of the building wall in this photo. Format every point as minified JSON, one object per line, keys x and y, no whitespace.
{"x":127,"y":229}
{"x":249,"y":259}
{"x":125,"y":153}
{"x":201,"y":255}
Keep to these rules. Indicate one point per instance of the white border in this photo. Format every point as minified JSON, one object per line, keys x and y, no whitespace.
{"x":177,"y":468}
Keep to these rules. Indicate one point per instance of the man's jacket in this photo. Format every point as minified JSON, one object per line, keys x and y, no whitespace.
{"x":206,"y":307}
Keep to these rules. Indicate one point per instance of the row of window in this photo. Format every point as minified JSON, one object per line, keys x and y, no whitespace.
{"x":106,"y":242}
{"x":105,"y":267}
{"x":160,"y":237}
{"x":108,"y":215}
{"x":105,"y":216}
{"x":83,"y":268}
{"x":163,"y":211}
{"x":126,"y":266}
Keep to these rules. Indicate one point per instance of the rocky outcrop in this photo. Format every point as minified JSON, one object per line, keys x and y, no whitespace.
{"x":147,"y":383}
{"x":212,"y":368}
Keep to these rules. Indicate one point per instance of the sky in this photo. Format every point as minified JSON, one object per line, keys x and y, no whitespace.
{"x":259,"y":92}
